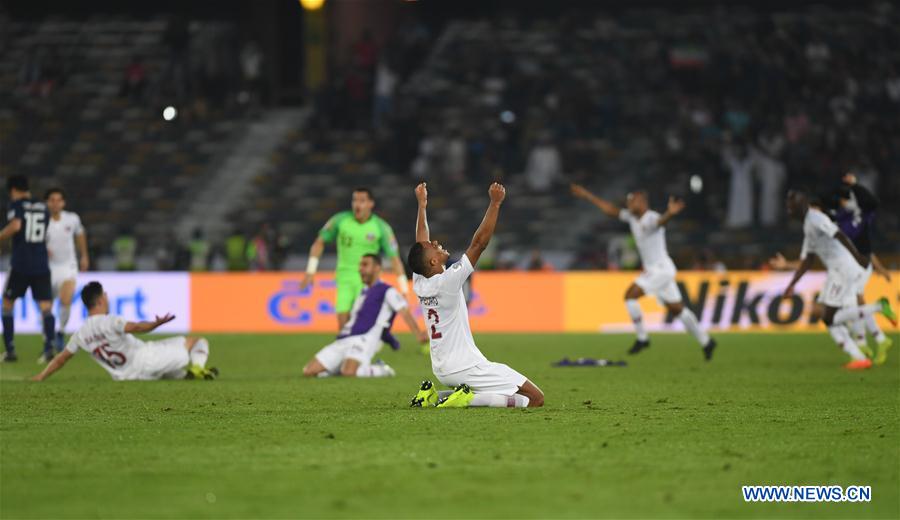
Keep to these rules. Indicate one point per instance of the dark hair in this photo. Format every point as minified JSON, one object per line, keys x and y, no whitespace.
{"x":17,"y":182}
{"x":365,"y":190}
{"x":53,"y":190}
{"x":91,"y":293}
{"x":416,"y":258}
{"x":375,"y":258}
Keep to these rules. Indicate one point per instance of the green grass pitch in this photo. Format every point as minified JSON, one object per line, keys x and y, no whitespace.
{"x":667,"y":436}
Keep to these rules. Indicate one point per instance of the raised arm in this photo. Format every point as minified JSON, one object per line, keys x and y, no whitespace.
{"x":147,"y":326}
{"x":422,"y":232}
{"x":675,"y":207}
{"x":605,"y":206}
{"x":55,"y":364}
{"x":880,"y":268}
{"x":486,"y":230}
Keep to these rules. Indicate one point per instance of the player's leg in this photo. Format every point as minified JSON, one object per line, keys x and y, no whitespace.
{"x":42,"y":291}
{"x":358,"y":362}
{"x":634,"y":292}
{"x":198,"y":352}
{"x":842,"y":337}
{"x":66,"y":291}
{"x":348,"y":288}
{"x":14,"y":288}
{"x":882,"y":342}
{"x":328,"y":360}
{"x":494,"y":385}
{"x":687,"y":318}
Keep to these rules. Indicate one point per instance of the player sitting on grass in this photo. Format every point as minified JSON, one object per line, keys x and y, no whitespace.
{"x":845,"y":268}
{"x":109,"y":339}
{"x":455,"y":360}
{"x":360,"y":338}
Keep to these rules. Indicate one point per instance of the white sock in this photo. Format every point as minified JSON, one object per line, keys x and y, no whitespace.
{"x":200,"y":353}
{"x":378,"y":370}
{"x":873,"y":328}
{"x":843,"y":339}
{"x":64,"y":312}
{"x":521,"y":401}
{"x":858,"y":329}
{"x":689,"y":319}
{"x":637,"y":317}
{"x":491,"y":400}
{"x":855,"y":313}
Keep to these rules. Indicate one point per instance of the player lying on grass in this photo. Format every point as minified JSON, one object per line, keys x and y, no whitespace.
{"x":360,"y":339}
{"x":455,"y":360}
{"x":658,"y":278}
{"x":845,"y":268}
{"x":110,"y":341}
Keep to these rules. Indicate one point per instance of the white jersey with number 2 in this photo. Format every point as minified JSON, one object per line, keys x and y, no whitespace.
{"x":447,"y":318}
{"x":104,"y":337}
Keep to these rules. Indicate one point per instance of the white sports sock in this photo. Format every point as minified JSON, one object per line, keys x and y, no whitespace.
{"x":64,"y":312}
{"x":490,"y":400}
{"x":854,"y":312}
{"x":689,"y":319}
{"x":521,"y":401}
{"x":634,"y":310}
{"x":378,"y":370}
{"x":843,"y":339}
{"x":200,"y":353}
{"x":873,"y":328}
{"x":858,"y":329}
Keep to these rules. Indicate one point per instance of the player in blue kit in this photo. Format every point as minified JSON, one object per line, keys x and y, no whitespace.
{"x":27,"y":221}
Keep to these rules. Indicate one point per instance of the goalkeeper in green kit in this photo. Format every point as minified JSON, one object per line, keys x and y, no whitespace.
{"x":357,"y":233}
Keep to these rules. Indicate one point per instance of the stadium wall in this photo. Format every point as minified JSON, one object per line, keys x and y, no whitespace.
{"x":501,"y":302}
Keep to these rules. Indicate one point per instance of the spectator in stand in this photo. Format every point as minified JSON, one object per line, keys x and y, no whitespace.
{"x":251,"y":74}
{"x":199,"y":249}
{"x":771,"y":173}
{"x":385,"y":83}
{"x":544,"y":166}
{"x":740,"y":164}
{"x":125,"y":250}
{"x":135,"y":82}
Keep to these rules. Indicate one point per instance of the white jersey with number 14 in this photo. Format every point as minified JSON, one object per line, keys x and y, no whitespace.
{"x":447,"y":318}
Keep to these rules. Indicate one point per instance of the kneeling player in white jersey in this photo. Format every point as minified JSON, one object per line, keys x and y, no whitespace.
{"x":845,"y":269}
{"x":360,"y":338}
{"x":658,"y":278}
{"x":455,"y":360}
{"x":110,"y":341}
{"x":64,"y":231}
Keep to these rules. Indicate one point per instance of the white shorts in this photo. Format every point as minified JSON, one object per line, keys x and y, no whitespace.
{"x":164,"y":359}
{"x":487,"y":377}
{"x":841,"y":287}
{"x":60,"y":274}
{"x":864,"y":280}
{"x":358,"y":348}
{"x":659,"y":281}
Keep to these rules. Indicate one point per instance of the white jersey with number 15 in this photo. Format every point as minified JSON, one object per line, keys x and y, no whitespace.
{"x":447,"y":318}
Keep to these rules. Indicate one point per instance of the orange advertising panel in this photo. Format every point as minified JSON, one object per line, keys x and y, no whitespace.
{"x":273,"y":302}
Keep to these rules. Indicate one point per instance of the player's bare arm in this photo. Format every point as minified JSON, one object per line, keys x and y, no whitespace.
{"x":142,"y":327}
{"x":11,"y":228}
{"x":422,"y":232}
{"x":846,"y":242}
{"x":58,"y":361}
{"x":84,"y":261}
{"x":805,"y":266}
{"x":781,"y":263}
{"x":312,"y":265}
{"x":605,"y":206}
{"x":879,"y":268}
{"x":485,"y":231}
{"x":407,"y":316}
{"x":398,"y":269}
{"x":675,"y":207}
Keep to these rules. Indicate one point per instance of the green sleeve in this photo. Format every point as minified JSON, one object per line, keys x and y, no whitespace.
{"x":388,"y":241}
{"x":329,"y":231}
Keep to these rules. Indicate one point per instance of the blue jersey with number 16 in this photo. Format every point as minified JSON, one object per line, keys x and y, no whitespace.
{"x":29,"y":251}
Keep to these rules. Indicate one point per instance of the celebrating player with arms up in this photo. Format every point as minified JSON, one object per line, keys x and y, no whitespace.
{"x":455,"y":359}
{"x":63,"y":232}
{"x":27,"y":225}
{"x":658,"y":278}
{"x":358,"y":232}
{"x":109,"y":339}
{"x":360,"y":339}
{"x":845,"y":268}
